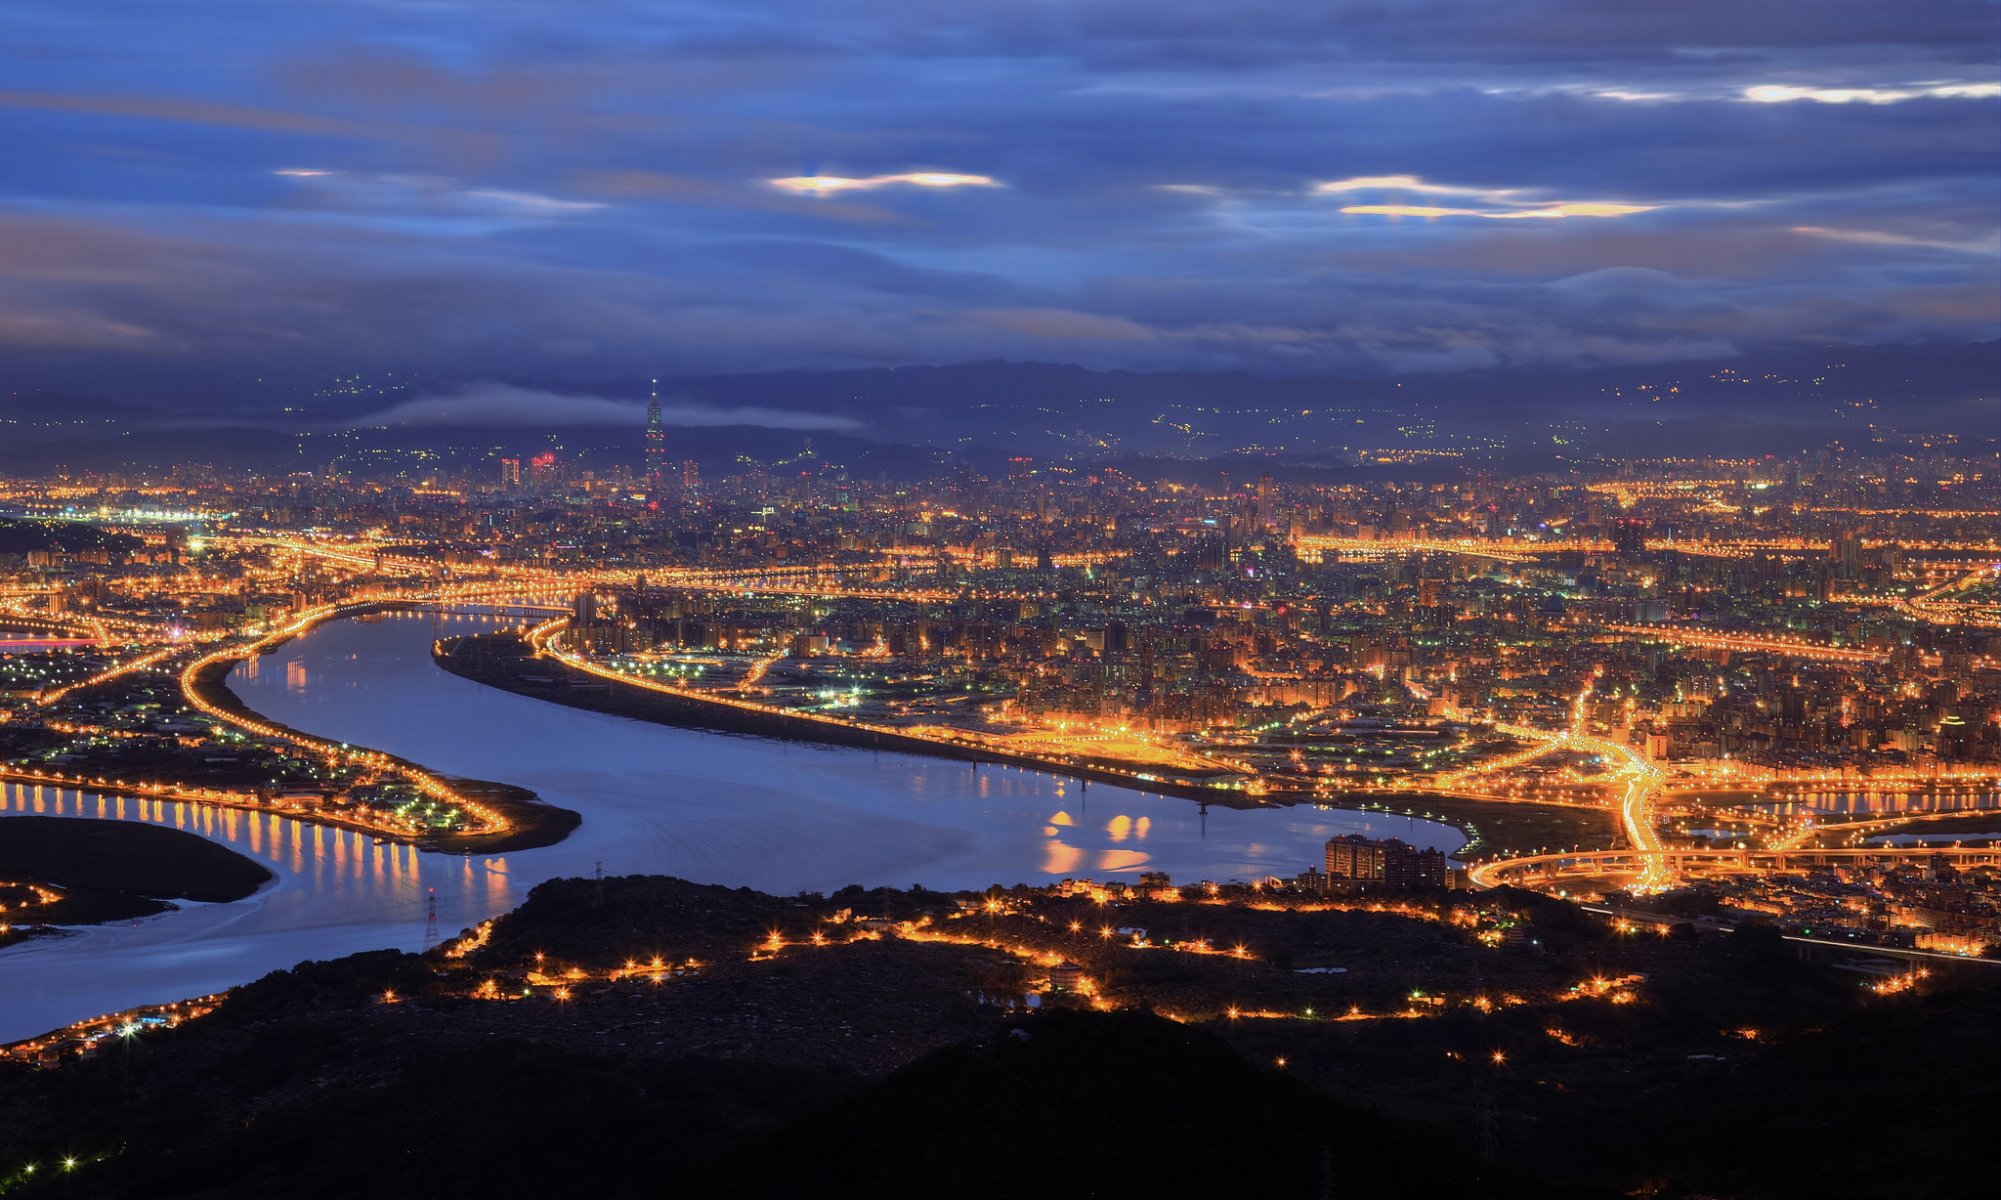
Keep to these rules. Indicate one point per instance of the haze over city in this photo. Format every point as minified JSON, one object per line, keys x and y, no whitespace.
{"x":1087,"y":598}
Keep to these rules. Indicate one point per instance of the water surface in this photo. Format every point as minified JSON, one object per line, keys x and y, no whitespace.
{"x":717,"y":808}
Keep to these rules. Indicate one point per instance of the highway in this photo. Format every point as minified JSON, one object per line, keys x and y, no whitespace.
{"x":1597,"y":863}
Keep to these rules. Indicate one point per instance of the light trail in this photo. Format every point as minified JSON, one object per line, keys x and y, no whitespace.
{"x":114,"y":671}
{"x":1656,"y":870}
{"x":1498,"y":871}
{"x":1759,"y":643}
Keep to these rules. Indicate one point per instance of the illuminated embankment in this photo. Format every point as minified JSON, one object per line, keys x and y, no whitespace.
{"x":356,"y":818}
{"x":485,"y":826}
{"x":665,"y":703}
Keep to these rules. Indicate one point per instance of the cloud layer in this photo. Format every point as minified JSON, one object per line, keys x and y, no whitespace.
{"x":193,"y":201}
{"x":499,"y":405}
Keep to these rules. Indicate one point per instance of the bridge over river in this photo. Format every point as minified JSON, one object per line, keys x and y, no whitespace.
{"x":1540,"y":870}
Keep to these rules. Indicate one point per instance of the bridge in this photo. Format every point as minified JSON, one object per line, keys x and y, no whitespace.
{"x":71,"y":630}
{"x":1747,"y":642}
{"x":1542,"y":869}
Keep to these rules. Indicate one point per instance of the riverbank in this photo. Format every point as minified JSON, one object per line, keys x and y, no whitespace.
{"x":532,"y":822}
{"x":1497,"y":827}
{"x":92,"y":872}
{"x":507,"y":662}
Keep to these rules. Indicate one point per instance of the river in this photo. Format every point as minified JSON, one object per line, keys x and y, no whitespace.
{"x":760,"y":812}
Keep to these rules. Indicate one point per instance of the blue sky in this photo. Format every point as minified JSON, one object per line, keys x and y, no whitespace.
{"x":508,"y":188}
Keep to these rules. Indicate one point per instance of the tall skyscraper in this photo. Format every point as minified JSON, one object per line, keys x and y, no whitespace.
{"x":656,"y":444}
{"x":1629,"y":537}
{"x":1846,"y":553}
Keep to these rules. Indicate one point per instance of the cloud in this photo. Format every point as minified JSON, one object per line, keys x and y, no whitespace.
{"x":430,"y":194}
{"x":1407,"y":183}
{"x":1782,"y":94}
{"x":527,"y":204}
{"x":1586,"y":209}
{"x":1063,"y":323}
{"x":1515,"y":202}
{"x":814,"y":185}
{"x":672,"y":188}
{"x":1881,"y":237}
{"x":45,"y":328}
{"x":499,"y":404}
{"x":173,"y":108}
{"x":564,"y":191}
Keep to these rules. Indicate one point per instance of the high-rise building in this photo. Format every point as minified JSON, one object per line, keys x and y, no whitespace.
{"x":1391,"y":862}
{"x":1354,"y":857}
{"x":656,"y":444}
{"x":1629,"y":537}
{"x":543,"y":473}
{"x":1406,"y":866}
{"x":691,"y":475}
{"x":1846,"y":553}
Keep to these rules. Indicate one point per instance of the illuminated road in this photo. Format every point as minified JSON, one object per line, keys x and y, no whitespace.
{"x":1751,"y":643}
{"x":1529,"y":869}
{"x":1642,"y":780}
{"x":1935,"y":606}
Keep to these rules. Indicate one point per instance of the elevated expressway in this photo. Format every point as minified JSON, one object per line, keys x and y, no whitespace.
{"x":1938,"y":607}
{"x":1540,"y":870}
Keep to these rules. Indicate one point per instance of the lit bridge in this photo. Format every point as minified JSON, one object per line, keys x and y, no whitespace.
{"x":1542,"y":869}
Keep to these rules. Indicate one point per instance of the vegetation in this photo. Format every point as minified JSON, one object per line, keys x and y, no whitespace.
{"x":112,"y":871}
{"x":23,"y":537}
{"x":520,"y":1059}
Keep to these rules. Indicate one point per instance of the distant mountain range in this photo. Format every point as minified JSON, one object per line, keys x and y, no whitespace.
{"x":912,"y":420}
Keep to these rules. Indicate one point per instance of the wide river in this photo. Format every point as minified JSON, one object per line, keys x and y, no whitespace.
{"x":766,"y":813}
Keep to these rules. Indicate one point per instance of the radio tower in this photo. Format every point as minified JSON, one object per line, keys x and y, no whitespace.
{"x":656,"y":445}
{"x":430,"y":917}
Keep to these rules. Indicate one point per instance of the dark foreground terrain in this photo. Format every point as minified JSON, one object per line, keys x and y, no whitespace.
{"x":111,"y":871}
{"x":647,"y":1036}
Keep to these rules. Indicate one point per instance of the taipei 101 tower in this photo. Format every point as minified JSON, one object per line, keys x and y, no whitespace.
{"x":656,"y":445}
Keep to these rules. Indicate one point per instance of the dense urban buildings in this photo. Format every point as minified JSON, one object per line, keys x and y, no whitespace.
{"x":1772,"y":681}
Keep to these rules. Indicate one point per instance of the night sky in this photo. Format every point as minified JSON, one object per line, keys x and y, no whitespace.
{"x":578,"y":189}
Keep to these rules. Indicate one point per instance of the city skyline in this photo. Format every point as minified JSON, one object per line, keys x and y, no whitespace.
{"x":1121,"y":598}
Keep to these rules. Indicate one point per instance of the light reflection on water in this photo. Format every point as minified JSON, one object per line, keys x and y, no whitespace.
{"x":1881,"y":803}
{"x":288,"y":846}
{"x":762,"y":812}
{"x":770,"y":814}
{"x":336,"y":891}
